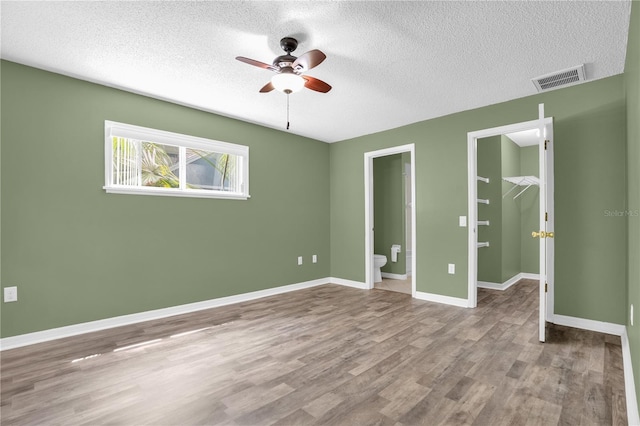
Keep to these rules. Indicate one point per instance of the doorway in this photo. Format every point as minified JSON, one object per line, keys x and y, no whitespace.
{"x":508,"y":209}
{"x":543,"y":130}
{"x":370,"y":213}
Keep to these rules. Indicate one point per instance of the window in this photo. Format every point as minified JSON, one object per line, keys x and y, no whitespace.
{"x":139,"y":160}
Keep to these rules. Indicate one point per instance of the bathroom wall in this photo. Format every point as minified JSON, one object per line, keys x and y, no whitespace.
{"x":389,"y":211}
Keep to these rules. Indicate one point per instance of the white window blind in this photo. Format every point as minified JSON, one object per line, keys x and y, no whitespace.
{"x":140,"y":160}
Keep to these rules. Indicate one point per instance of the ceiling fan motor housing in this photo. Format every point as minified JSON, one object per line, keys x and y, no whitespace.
{"x":284,"y":61}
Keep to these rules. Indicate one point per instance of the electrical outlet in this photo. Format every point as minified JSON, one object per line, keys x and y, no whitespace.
{"x":299,"y":260}
{"x":11,"y":294}
{"x":452,"y":268}
{"x":314,"y":258}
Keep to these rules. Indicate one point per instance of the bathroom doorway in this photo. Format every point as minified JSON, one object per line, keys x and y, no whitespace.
{"x":396,"y":242}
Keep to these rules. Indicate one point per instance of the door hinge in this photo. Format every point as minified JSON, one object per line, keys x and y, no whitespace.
{"x":546,"y":216}
{"x":545,"y":144}
{"x":546,"y":287}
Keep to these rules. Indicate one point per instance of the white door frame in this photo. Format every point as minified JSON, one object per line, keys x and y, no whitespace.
{"x":368,"y":208}
{"x":472,"y":167}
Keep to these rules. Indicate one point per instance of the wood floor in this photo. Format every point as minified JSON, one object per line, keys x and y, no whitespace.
{"x":328,"y":355}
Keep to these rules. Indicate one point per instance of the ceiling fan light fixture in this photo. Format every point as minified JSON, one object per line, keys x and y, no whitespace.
{"x":287,"y":82}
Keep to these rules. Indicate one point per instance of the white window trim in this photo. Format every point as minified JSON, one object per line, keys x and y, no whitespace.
{"x":112,"y":128}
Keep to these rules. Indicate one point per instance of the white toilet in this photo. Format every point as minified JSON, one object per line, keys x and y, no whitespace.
{"x":379,"y":260}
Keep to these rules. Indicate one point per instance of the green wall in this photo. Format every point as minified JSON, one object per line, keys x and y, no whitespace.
{"x":511,"y":226}
{"x":632,"y":91}
{"x":529,"y":213}
{"x":79,"y":254}
{"x":489,"y":166}
{"x":590,"y":147}
{"x":388,"y":210}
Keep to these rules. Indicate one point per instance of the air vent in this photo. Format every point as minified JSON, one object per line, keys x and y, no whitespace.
{"x":560,"y":78}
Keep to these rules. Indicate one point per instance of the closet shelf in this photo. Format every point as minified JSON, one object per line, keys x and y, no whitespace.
{"x":517,"y":181}
{"x":484,"y":244}
{"x":523,"y":180}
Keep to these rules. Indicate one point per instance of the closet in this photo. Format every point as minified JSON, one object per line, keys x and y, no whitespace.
{"x":507,"y":196}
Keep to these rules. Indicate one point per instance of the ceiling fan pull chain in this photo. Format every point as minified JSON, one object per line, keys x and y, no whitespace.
{"x":287,"y":111}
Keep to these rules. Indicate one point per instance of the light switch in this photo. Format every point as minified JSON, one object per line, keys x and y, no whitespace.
{"x":452,"y":268}
{"x":10,"y":294}
{"x":463,"y":221}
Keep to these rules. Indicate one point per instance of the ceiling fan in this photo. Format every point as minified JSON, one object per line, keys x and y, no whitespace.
{"x":289,"y":77}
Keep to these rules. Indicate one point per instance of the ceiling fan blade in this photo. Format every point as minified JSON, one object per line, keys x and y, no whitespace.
{"x":267,"y":88}
{"x":308,"y":60}
{"x":256,"y":63}
{"x":315,"y":84}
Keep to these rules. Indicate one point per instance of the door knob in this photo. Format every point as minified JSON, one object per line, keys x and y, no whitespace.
{"x":542,"y":234}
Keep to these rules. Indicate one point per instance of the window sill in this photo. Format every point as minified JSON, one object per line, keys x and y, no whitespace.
{"x":191,"y":193}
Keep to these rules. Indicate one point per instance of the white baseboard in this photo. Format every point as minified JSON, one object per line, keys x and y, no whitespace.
{"x":394,"y":276}
{"x":88,"y":327}
{"x":438,"y":298}
{"x":348,"y":283}
{"x":633,"y":417}
{"x":587,"y":324}
{"x":511,"y":281}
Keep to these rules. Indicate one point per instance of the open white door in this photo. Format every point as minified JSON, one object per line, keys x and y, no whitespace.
{"x":545,"y":234}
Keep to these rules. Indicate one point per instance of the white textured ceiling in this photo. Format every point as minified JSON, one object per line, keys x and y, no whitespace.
{"x":390,"y":63}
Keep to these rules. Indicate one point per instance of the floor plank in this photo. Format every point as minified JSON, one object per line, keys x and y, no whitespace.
{"x":326,"y":355}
